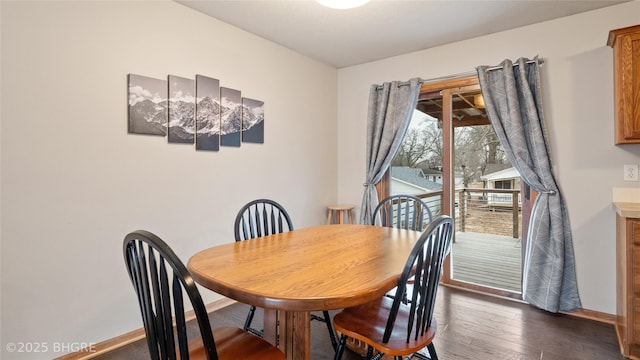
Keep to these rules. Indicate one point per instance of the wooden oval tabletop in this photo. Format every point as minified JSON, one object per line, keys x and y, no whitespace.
{"x":317,"y":268}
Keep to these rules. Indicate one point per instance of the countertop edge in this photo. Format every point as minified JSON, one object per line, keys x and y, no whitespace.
{"x":627,"y":209}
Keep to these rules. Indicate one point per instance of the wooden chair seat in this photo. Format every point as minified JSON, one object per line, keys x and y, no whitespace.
{"x":235,"y":343}
{"x":366,"y":323}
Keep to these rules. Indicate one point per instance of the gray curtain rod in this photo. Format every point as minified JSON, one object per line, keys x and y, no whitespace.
{"x":406,"y":83}
{"x":449,"y":77}
{"x":538,"y":61}
{"x":422,"y":82}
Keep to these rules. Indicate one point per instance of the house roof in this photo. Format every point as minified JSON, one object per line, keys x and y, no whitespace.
{"x":510,"y":173}
{"x":427,"y":171}
{"x":414,"y":176}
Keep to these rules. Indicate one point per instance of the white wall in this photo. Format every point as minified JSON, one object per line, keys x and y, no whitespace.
{"x":578,"y":90}
{"x":74,"y":182}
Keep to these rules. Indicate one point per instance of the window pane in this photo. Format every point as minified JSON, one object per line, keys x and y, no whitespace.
{"x":417,"y":168}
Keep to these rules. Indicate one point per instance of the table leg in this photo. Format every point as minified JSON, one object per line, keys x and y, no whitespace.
{"x":298,"y":335}
{"x":290,"y":332}
{"x":271,"y":330}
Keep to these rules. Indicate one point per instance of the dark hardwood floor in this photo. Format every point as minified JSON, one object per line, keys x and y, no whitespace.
{"x":470,"y":327}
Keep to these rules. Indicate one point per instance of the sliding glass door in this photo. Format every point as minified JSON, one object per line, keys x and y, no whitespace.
{"x":451,"y":158}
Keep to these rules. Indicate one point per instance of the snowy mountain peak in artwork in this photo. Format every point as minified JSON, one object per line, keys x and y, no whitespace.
{"x":208,"y":116}
{"x":147,"y":105}
{"x":251,"y":116}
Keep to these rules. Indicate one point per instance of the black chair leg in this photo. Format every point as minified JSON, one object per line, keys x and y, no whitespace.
{"x":247,"y":323}
{"x":432,"y":352}
{"x":340,"y":348}
{"x":326,"y":318}
{"x":332,"y":334}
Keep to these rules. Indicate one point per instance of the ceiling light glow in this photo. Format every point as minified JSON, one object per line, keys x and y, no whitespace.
{"x":342,"y":4}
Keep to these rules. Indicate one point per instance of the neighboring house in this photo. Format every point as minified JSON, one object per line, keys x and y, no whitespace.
{"x":412,"y":181}
{"x":503,"y":179}
{"x":432,"y":175}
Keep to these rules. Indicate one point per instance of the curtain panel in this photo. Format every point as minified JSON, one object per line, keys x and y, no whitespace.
{"x":513,"y":100}
{"x":390,"y":109}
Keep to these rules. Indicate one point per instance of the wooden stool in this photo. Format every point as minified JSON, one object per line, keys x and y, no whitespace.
{"x":339,"y":213}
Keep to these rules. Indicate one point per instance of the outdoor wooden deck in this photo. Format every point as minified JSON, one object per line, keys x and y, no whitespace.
{"x":489,"y":260}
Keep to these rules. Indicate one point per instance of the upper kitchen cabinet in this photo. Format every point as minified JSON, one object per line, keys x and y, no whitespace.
{"x":626,"y":82}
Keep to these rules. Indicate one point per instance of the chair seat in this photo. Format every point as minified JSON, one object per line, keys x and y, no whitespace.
{"x":234,"y":343}
{"x":367,"y":323}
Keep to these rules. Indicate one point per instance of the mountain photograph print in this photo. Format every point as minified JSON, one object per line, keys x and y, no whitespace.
{"x":207,"y":113}
{"x":182,"y":108}
{"x":252,"y":121}
{"x":231,"y":117}
{"x":147,"y":105}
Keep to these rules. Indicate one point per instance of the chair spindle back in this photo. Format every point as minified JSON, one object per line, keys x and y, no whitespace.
{"x":402,"y":212}
{"x":160,"y":279}
{"x":423,"y":269}
{"x":261,"y":217}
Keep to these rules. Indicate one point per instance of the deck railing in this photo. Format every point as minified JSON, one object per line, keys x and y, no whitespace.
{"x":489,"y":211}
{"x":482,"y":210}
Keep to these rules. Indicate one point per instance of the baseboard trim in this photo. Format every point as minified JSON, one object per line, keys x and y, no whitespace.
{"x":117,"y":342}
{"x":592,"y":315}
{"x":581,"y":313}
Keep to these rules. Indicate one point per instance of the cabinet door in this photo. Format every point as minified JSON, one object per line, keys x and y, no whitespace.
{"x":626,"y":47}
{"x":633,"y":232}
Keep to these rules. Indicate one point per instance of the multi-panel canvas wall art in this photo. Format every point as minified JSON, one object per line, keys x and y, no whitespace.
{"x":231,"y":117}
{"x":252,"y":121}
{"x":147,"y":105}
{"x":207,"y":113}
{"x":182,"y":110}
{"x":193,"y":111}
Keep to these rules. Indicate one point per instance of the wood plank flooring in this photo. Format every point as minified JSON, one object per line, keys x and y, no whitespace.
{"x":489,"y":260}
{"x":474,"y":326}
{"x":470,"y":327}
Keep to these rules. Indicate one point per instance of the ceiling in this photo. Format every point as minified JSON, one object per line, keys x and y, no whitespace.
{"x":382,"y":28}
{"x":467,"y":107}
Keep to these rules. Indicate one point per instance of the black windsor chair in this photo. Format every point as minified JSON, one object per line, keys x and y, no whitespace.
{"x":161,"y":280}
{"x":390,"y":325}
{"x":263,"y":217}
{"x":403,"y":212}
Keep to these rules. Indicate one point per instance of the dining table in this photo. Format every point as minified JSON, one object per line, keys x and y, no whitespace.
{"x":291,"y":274}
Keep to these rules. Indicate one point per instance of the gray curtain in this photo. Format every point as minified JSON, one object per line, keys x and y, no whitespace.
{"x":513,"y":100}
{"x":391,"y":106}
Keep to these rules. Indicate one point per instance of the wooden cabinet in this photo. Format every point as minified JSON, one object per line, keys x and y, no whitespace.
{"x":626,"y":83}
{"x":628,"y":285}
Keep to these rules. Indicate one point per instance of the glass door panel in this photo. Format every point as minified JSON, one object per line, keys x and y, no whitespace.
{"x":452,"y":159}
{"x":486,"y":193}
{"x":417,"y":168}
